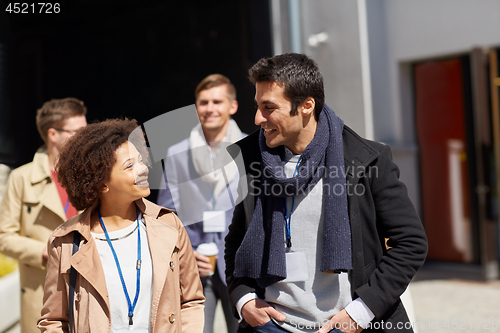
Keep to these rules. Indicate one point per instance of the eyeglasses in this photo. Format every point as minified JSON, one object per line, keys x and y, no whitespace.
{"x":72,"y":132}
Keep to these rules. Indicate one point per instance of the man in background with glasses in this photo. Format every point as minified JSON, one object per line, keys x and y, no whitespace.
{"x":34,"y":204}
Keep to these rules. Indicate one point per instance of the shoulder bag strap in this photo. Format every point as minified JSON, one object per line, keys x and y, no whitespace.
{"x":72,"y":281}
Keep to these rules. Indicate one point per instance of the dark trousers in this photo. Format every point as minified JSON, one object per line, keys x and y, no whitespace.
{"x":214,"y":290}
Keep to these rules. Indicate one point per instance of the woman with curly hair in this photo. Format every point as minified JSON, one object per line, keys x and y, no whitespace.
{"x":134,"y":269}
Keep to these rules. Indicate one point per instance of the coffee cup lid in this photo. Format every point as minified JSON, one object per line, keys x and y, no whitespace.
{"x":208,"y":249}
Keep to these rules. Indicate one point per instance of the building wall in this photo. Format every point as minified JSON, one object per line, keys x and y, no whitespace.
{"x":399,"y":33}
{"x":402,"y":32}
{"x":339,"y":57}
{"x":409,"y":31}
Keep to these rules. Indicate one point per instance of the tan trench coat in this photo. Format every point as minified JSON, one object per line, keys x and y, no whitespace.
{"x":30,"y":211}
{"x":177,"y":303}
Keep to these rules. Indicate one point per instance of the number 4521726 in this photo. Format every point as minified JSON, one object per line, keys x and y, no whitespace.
{"x":33,"y":8}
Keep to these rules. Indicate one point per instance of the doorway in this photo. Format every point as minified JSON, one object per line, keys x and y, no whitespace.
{"x":457,"y":120}
{"x":440,"y":112}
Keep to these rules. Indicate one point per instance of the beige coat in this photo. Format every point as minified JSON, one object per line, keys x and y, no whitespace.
{"x":177,"y":303}
{"x":30,"y":211}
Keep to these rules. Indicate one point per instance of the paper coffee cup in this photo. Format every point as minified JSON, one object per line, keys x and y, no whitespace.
{"x":211,"y":251}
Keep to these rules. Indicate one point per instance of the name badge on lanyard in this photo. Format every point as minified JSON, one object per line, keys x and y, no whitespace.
{"x":296,"y":267}
{"x":214,"y":221}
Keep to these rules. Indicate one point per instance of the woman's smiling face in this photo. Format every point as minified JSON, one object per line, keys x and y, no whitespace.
{"x":129,"y":175}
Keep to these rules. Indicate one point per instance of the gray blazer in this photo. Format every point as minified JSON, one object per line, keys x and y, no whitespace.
{"x":192,"y":196}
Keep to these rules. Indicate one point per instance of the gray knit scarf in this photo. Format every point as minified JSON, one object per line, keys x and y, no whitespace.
{"x":261,"y":255}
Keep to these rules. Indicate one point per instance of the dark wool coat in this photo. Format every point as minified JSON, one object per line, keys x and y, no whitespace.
{"x":379,"y":208}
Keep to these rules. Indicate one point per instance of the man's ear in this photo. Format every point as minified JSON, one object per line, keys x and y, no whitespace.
{"x":51,"y":135}
{"x":307,"y":107}
{"x":234,"y":107}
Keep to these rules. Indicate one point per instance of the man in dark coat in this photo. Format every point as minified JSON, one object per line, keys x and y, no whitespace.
{"x":326,"y":237}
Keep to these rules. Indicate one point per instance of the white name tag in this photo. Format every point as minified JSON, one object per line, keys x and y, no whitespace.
{"x":214,"y":221}
{"x":296,"y":267}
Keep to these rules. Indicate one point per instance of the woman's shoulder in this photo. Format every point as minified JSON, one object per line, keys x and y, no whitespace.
{"x":79,"y":223}
{"x":162,"y":214}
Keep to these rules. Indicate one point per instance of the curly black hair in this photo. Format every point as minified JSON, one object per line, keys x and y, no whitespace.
{"x":86,"y":160}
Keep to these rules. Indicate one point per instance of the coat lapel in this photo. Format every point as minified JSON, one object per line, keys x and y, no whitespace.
{"x":246,"y":156}
{"x":88,"y":264}
{"x":41,"y":173}
{"x":357,"y":158}
{"x":51,"y":200}
{"x":162,"y":240}
{"x":86,"y":260}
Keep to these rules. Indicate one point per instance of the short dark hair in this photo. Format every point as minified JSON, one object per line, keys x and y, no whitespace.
{"x":216,"y":80}
{"x":55,"y":111}
{"x":299,"y":75}
{"x":87,"y":158}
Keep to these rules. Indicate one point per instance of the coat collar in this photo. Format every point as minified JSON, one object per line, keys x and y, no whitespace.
{"x":41,"y":168}
{"x":358,"y":154}
{"x":46,"y":190}
{"x":81,"y":222}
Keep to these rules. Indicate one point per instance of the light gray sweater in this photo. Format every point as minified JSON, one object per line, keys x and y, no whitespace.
{"x":308,"y":305}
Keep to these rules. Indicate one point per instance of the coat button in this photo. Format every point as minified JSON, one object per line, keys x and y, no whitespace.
{"x":171,"y":318}
{"x":172,"y":265}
